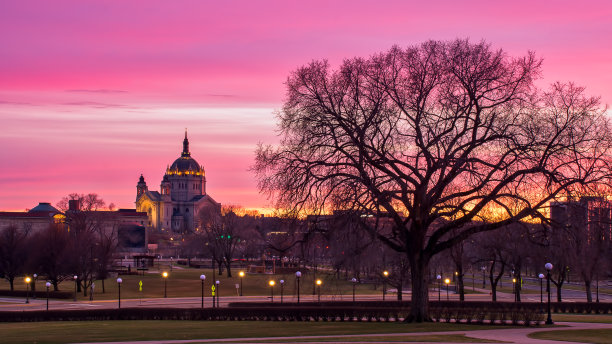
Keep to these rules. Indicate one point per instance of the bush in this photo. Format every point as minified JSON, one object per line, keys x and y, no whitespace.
{"x":39,"y":293}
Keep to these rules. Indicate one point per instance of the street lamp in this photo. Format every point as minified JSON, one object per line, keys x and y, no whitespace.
{"x":271,"y":283}
{"x":27,"y":281}
{"x":439,"y":278}
{"x":319,"y":288}
{"x":541,"y":277}
{"x":548,"y":267}
{"x":119,"y":281}
{"x":354,"y":280}
{"x":75,"y":277}
{"x":385,"y":275}
{"x":282,"y":283}
{"x":447,"y":282}
{"x":514,"y":288}
{"x":33,"y":286}
{"x":47,"y":285}
{"x":241,"y":274}
{"x":202,"y":278}
{"x":297,"y":279}
{"x":165,"y":277}
{"x":217,"y":294}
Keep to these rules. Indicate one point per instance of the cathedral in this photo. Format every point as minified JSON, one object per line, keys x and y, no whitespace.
{"x":181,"y":197}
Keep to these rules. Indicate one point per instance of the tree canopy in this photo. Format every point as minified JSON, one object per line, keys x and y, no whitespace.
{"x":445,"y":139}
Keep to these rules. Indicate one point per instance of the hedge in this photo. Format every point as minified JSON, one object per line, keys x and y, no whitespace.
{"x":39,"y":293}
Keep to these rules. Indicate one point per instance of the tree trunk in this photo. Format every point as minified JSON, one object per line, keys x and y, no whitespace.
{"x":559,"y":286}
{"x":11,"y":281}
{"x":399,"y":291}
{"x":459,"y":281}
{"x":220,"y":266}
{"x":228,"y":267}
{"x":587,"y":288}
{"x":103,"y":290}
{"x":419,"y":305}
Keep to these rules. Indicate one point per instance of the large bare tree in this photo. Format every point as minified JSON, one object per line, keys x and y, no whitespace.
{"x":433,"y":136}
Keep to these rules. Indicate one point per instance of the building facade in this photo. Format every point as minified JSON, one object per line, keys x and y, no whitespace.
{"x":181,"y":197}
{"x":591,"y":215}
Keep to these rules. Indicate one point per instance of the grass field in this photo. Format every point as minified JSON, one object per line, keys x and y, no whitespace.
{"x":186,"y":282}
{"x":98,"y":331}
{"x":602,"y":336}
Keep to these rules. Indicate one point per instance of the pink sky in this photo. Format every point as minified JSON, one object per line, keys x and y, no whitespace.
{"x":94,"y":93}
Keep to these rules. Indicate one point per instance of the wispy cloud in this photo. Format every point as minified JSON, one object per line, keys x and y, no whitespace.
{"x":97,"y":105}
{"x":6,"y":102}
{"x":102,"y":90}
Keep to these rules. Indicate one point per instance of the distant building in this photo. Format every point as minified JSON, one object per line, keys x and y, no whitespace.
{"x":182,"y":195}
{"x":37,"y":218}
{"x":128,"y":224}
{"x":593,"y":215}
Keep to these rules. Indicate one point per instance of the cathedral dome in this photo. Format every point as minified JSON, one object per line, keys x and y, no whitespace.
{"x":185,"y":164}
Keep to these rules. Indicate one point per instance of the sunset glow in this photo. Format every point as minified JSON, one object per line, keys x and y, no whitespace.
{"x":95,"y":93}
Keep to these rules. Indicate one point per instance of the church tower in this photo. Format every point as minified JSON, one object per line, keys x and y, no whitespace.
{"x":141,"y":187}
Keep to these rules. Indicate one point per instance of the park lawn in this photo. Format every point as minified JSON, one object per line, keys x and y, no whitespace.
{"x":185,"y":282}
{"x":600,"y":336}
{"x":100,"y":331}
{"x":591,"y":318}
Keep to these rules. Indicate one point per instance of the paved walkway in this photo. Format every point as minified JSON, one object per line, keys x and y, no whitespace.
{"x":511,"y":335}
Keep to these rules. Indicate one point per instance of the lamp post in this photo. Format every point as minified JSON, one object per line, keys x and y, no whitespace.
{"x":75,"y":277}
{"x":354,"y":280}
{"x":541,"y":277}
{"x":282,"y":283}
{"x":34,"y":285}
{"x":271,"y":283}
{"x":484,"y":285}
{"x":217,"y":294}
{"x":439,"y":278}
{"x":514,"y":288}
{"x":165,"y":277}
{"x":385,"y":275}
{"x":447,"y":282}
{"x":119,"y":281}
{"x":548,"y":267}
{"x":47,"y":285}
{"x":319,"y":289}
{"x":241,"y":274}
{"x":297,"y":280}
{"x":202,"y":278}
{"x":27,"y":282}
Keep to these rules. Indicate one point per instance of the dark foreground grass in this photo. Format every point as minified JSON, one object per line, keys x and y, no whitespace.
{"x":99,"y":331}
{"x":442,"y":338}
{"x":591,"y":318}
{"x":601,"y":336}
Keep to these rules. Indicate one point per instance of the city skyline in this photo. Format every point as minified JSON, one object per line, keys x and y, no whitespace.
{"x":94,"y":94}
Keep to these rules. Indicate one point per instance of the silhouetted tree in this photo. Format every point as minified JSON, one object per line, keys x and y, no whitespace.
{"x":224,"y":231}
{"x":13,"y":252}
{"x":443,"y":130}
{"x":49,"y":251}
